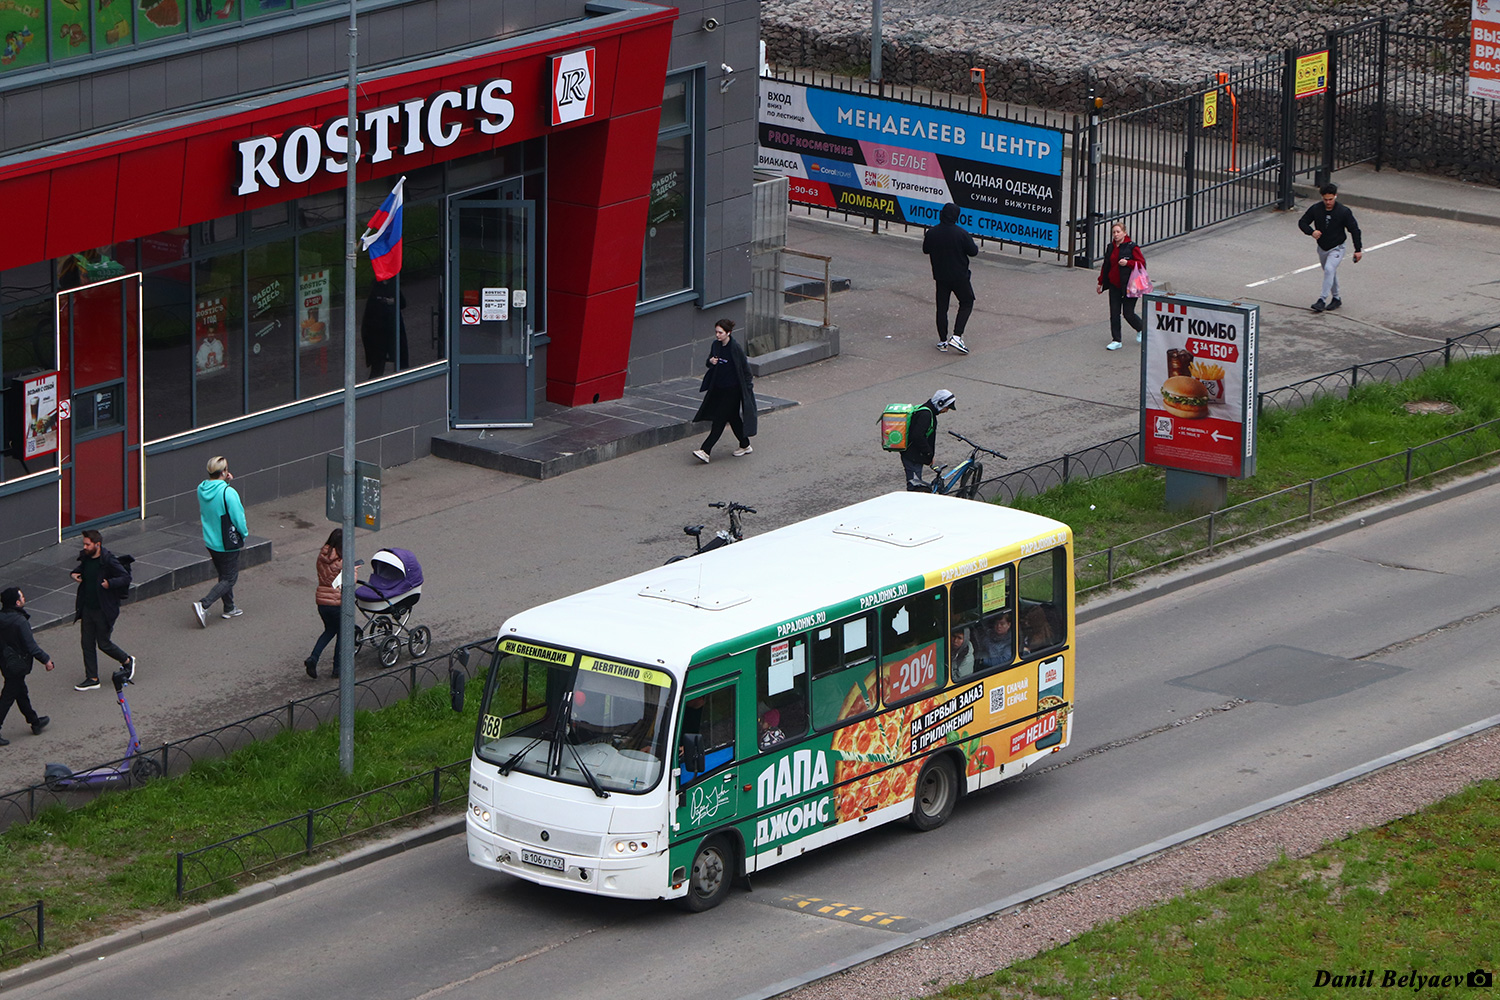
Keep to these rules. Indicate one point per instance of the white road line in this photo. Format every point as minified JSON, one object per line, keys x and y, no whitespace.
{"x":1314,"y":267}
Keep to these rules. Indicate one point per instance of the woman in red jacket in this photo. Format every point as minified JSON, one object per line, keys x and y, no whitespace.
{"x":1122,"y":257}
{"x":330,"y":601}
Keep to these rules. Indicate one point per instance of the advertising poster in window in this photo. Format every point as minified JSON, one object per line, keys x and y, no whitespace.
{"x":312,"y":303}
{"x":1198,"y":385}
{"x":902,"y":162}
{"x":40,"y":415}
{"x":1484,"y":49}
{"x":210,"y":353}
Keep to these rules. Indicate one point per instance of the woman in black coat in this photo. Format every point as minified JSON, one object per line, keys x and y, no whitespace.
{"x":730,"y":390}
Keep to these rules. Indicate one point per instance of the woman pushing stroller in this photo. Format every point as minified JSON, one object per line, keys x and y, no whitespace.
{"x":329,"y":599}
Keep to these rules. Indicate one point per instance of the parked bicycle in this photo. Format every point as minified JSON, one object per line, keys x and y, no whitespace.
{"x":963,"y":479}
{"x":724,"y":536}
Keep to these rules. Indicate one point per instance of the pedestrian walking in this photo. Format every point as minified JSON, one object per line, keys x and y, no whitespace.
{"x":730,"y":393}
{"x":103,"y":579}
{"x":224,"y":532}
{"x":1331,"y":224}
{"x":921,"y":438}
{"x":17,"y":649}
{"x":1121,"y":259}
{"x":330,"y":599}
{"x":948,"y":249}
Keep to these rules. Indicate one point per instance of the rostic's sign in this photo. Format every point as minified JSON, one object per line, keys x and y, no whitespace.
{"x":572,"y":86}
{"x":404,"y":129}
{"x":1198,"y":385}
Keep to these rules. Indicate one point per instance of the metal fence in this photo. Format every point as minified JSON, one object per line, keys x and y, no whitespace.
{"x":232,"y":861}
{"x":176,"y":757}
{"x":23,"y":930}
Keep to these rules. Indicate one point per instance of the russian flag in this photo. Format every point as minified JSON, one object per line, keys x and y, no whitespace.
{"x":382,"y":238}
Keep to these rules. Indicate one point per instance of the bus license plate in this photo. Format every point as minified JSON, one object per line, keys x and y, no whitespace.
{"x":542,"y":860}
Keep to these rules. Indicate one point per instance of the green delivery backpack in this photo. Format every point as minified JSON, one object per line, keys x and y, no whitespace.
{"x":895,"y":424}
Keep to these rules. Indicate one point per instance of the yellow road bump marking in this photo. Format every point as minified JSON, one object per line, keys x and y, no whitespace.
{"x":847,"y":912}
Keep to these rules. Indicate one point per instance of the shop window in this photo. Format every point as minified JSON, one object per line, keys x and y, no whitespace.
{"x":913,"y":646}
{"x":27,"y":348}
{"x":320,"y":312}
{"x":667,"y":261}
{"x":1043,"y":598}
{"x":218,"y":339}
{"x":167,"y":350}
{"x":781,"y":692}
{"x":271,"y":330}
{"x":983,"y":636}
{"x":318,"y":210}
{"x":422,"y":284}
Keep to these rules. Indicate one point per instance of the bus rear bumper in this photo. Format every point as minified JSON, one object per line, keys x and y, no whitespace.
{"x":639,"y":877}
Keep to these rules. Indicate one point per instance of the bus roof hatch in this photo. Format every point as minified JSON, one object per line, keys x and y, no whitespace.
{"x":885,"y":530}
{"x":690,"y":592}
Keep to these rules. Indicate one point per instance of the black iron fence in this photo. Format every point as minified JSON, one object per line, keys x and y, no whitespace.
{"x":176,"y":757}
{"x":302,"y":838}
{"x":23,"y":930}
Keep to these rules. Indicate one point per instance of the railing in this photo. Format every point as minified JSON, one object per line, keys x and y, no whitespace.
{"x":816,"y":275}
{"x":174,"y":758}
{"x":1220,"y":530}
{"x":23,"y":930}
{"x":303,"y":836}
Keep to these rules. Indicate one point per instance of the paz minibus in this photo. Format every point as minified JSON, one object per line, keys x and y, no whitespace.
{"x":662,"y":735}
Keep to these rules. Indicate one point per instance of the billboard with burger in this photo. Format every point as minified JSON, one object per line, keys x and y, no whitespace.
{"x":1198,"y":385}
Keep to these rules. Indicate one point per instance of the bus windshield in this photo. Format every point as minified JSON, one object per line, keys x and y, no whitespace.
{"x":574,"y":717}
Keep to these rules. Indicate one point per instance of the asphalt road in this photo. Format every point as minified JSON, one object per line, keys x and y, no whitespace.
{"x":1320,"y":660}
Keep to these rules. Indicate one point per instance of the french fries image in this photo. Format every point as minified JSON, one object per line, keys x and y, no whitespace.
{"x":1206,"y":372}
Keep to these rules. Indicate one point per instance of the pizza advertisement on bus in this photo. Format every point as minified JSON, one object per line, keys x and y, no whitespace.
{"x":888,"y":159}
{"x":1198,"y":385}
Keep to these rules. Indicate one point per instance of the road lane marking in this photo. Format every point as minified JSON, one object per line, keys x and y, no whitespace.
{"x":847,"y":912}
{"x":1314,"y":267}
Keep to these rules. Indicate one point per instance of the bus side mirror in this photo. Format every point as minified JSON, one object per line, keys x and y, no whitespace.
{"x":692,"y":753}
{"x":457,"y":681}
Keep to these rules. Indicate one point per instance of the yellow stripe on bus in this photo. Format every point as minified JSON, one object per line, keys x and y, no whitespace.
{"x":536,"y":652}
{"x":629,"y":671}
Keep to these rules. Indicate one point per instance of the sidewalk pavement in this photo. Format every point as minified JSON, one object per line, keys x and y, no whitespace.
{"x":1037,"y":384}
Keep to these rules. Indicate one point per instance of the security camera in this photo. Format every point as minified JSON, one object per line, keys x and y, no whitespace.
{"x":710,"y":24}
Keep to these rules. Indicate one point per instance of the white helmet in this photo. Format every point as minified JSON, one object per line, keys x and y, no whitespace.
{"x":944,"y":400}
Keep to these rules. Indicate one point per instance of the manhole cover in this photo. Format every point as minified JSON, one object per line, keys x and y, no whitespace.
{"x":1430,"y":406}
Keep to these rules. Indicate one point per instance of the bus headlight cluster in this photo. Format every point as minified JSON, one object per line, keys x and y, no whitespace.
{"x":632,"y":846}
{"x":483,"y":815}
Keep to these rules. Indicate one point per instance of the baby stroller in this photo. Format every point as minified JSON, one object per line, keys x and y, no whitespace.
{"x":386,"y":601}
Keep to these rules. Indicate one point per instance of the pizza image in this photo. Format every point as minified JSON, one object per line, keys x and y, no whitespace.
{"x":864,"y":751}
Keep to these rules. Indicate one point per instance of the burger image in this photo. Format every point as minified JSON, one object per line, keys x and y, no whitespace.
{"x":1184,"y":396}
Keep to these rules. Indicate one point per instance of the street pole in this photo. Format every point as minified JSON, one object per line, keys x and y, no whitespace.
{"x":346,"y":598}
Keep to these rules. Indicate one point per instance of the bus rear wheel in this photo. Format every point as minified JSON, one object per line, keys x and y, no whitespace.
{"x":937,"y":793}
{"x":710,"y":877}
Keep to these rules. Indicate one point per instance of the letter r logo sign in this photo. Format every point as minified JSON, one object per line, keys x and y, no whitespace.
{"x":573,"y":86}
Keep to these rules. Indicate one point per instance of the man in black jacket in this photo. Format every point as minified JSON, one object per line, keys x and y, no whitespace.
{"x":921,"y":438}
{"x":17,"y":649}
{"x":948,"y":249}
{"x":1331,"y":224}
{"x":102,"y":582}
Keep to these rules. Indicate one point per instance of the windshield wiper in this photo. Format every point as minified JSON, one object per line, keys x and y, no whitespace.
{"x":565,"y":724}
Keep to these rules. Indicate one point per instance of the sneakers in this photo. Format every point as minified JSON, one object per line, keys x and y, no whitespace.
{"x":943,"y":346}
{"x":312,"y":667}
{"x":700,"y":455}
{"x":232,"y":613}
{"x":1113,"y":345}
{"x":88,"y":684}
{"x":130,"y":668}
{"x":1334,"y":304}
{"x":743,"y":451}
{"x":959,"y":345}
{"x":1319,"y":306}
{"x":198,"y":610}
{"x":39,"y":725}
{"x":4,"y":742}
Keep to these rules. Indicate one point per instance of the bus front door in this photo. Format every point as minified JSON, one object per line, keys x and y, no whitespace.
{"x":708,"y":795}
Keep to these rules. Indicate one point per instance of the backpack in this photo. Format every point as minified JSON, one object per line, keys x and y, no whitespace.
{"x":126,"y":562}
{"x":895,"y":426}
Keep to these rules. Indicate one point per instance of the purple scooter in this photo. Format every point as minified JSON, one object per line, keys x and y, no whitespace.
{"x":134,"y":769}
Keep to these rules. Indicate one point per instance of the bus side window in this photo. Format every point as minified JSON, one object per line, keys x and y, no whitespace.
{"x":843,"y":670}
{"x":914,"y":640}
{"x":708,"y":722}
{"x":984,"y":634}
{"x":781,"y":691}
{"x":1043,"y":622}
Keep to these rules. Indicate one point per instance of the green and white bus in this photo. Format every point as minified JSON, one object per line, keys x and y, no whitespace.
{"x":658,"y":736}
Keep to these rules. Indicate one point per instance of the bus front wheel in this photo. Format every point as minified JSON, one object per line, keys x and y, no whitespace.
{"x":937,"y":793}
{"x":711,"y":875}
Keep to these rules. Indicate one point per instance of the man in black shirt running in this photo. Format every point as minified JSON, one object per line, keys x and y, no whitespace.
{"x":1331,"y":224}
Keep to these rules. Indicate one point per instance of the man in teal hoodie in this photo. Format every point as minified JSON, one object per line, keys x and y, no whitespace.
{"x":216,"y":499}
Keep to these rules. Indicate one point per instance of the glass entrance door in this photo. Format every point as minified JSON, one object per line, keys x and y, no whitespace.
{"x":490,"y":312}
{"x":99,"y":427}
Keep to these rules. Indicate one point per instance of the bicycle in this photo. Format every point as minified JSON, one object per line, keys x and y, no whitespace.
{"x":734,"y":533}
{"x":963,"y":479}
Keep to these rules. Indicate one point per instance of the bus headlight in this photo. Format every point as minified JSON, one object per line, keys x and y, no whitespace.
{"x":480,"y":813}
{"x":633,"y":846}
